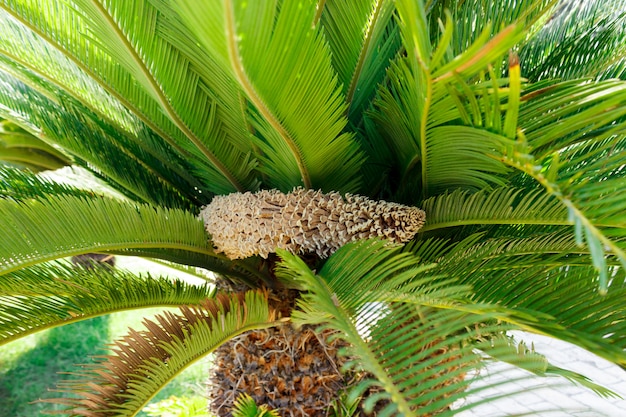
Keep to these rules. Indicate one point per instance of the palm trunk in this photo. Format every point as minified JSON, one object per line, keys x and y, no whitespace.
{"x":295,"y":371}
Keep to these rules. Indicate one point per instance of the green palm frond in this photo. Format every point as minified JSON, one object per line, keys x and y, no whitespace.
{"x":135,"y":71}
{"x":558,"y":115}
{"x":71,"y":81}
{"x":547,"y":276}
{"x":363,"y":38}
{"x":406,"y":327}
{"x":42,"y":67}
{"x":98,"y":146}
{"x":471,"y":14}
{"x":245,"y":406}
{"x":528,"y":359}
{"x":60,"y":226}
{"x":575,"y":164}
{"x":284,"y":67}
{"x":67,"y":224}
{"x":49,"y":295}
{"x":17,"y":184}
{"x":397,"y":350}
{"x":580,"y":39}
{"x":142,"y":363}
{"x":422,"y":113}
{"x":500,"y":206}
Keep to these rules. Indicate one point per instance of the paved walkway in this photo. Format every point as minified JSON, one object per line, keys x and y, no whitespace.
{"x":552,"y":397}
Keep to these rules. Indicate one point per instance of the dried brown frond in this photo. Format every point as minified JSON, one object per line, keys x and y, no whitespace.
{"x":302,"y":221}
{"x":295,"y":372}
{"x":104,"y":387}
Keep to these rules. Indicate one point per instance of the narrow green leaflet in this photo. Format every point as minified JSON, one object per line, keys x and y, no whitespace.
{"x":363,"y":37}
{"x":55,"y":294}
{"x":284,"y":67}
{"x":147,"y":74}
{"x":64,"y":225}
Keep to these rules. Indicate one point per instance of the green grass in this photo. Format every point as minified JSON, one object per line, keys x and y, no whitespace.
{"x":30,"y":367}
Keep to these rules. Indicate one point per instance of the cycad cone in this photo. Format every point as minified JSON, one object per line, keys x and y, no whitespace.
{"x":303,"y":221}
{"x":294,"y":371}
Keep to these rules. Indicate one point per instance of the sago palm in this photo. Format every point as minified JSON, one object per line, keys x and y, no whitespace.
{"x":383,"y":188}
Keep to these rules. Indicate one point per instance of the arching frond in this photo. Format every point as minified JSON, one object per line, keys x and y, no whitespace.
{"x":98,"y":146}
{"x":397,"y":336}
{"x":64,"y":225}
{"x":554,"y":116}
{"x":42,"y":66}
{"x":17,"y":184}
{"x":142,"y":363}
{"x":144,"y":72}
{"x":546,"y":275}
{"x":576,"y":153}
{"x":581,"y":39}
{"x":363,"y":37}
{"x":501,"y":206}
{"x":86,"y":95}
{"x":502,"y":347}
{"x":406,"y":327}
{"x":423,"y":121}
{"x":472,"y":14}
{"x":55,"y":294}
{"x":283,"y":65}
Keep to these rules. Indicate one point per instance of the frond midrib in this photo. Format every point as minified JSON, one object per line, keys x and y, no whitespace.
{"x":165,"y":161}
{"x":163,"y":101}
{"x":363,"y":53}
{"x":457,"y":223}
{"x":246,"y":84}
{"x":513,"y":222}
{"x":170,"y":112}
{"x":34,"y":260}
{"x":79,"y":318}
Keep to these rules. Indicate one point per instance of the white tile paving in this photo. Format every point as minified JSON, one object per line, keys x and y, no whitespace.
{"x":551,"y":397}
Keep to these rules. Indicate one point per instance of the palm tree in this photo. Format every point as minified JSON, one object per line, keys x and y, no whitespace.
{"x":293,"y":148}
